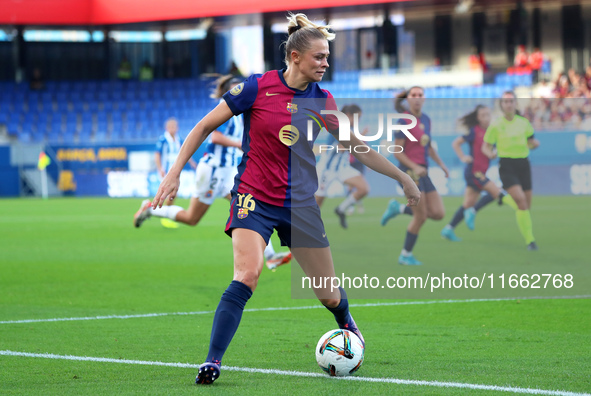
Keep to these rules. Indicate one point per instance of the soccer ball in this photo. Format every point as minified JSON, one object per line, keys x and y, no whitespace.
{"x":339,"y":352}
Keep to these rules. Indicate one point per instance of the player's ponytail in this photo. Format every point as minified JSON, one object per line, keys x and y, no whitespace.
{"x":470,"y":120}
{"x":398,"y":102}
{"x":301,"y":32}
{"x":223,"y":85}
{"x":398,"y":99}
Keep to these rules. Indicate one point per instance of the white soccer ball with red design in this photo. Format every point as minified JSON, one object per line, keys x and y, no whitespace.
{"x":339,"y":352}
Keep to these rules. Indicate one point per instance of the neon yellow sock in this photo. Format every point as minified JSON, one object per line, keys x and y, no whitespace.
{"x":508,"y":200}
{"x":525,"y":225}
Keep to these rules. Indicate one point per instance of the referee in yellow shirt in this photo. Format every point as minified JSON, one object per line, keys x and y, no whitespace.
{"x":513,"y":136}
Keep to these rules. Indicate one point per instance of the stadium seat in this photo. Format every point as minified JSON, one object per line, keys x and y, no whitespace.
{"x":101,"y":136}
{"x":25,"y":137}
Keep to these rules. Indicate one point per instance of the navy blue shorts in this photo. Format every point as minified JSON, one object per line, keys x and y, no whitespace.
{"x":424,"y":182}
{"x":296,"y":227}
{"x":475,"y":180}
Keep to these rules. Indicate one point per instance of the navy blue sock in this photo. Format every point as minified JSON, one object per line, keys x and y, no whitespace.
{"x":409,"y":241}
{"x":458,"y":216}
{"x":341,"y":311}
{"x":227,"y":318}
{"x":483,"y":201}
{"x":407,"y":210}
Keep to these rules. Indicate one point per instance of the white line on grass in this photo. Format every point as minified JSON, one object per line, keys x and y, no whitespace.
{"x":382,"y":304}
{"x":440,"y":384}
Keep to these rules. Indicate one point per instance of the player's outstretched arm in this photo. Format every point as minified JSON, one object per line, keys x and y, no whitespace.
{"x":380,"y":164}
{"x":170,"y":184}
{"x":218,"y":137}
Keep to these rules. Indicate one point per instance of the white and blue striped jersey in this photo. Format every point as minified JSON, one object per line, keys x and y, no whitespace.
{"x":334,"y":161}
{"x":169,"y":149}
{"x":217,"y":155}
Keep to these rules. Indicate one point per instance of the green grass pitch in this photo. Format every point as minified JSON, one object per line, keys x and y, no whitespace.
{"x":73,"y":258}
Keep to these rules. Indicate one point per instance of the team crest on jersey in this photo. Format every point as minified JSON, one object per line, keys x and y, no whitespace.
{"x":479,"y":175}
{"x":292,"y":108}
{"x":425,"y":140}
{"x":237,"y":89}
{"x":422,"y":126}
{"x":209,"y":194}
{"x":242,"y":213}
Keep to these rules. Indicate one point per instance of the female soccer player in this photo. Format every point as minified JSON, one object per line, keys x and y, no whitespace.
{"x":414,"y":161}
{"x":167,"y":148}
{"x":513,"y":136}
{"x":476,"y":123}
{"x":276,"y":179}
{"x":214,"y":176}
{"x":337,"y":167}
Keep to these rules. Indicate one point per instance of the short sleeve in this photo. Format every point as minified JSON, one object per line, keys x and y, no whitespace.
{"x":491,"y":135}
{"x":160,"y":144}
{"x":469,"y":136}
{"x":399,"y":134}
{"x":242,"y":96}
{"x":427,"y":121}
{"x":331,"y":121}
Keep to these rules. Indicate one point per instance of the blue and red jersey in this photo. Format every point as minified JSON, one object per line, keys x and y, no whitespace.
{"x":474,"y":138}
{"x":417,"y":152}
{"x":278,"y":165}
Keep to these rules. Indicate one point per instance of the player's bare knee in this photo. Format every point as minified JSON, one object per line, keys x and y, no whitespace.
{"x":420,"y":218}
{"x":330,"y":302}
{"x":439,"y":215}
{"x":364,"y":190}
{"x":193,"y":221}
{"x":249,"y":278}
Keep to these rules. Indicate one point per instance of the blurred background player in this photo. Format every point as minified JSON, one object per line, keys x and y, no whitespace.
{"x":414,"y":161}
{"x":476,"y":122}
{"x":513,"y":136}
{"x":264,"y":197}
{"x":335,"y":166}
{"x":214,"y":176}
{"x":167,"y":149}
{"x":356,"y":164}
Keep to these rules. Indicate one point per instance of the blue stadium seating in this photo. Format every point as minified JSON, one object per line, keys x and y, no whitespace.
{"x":113,"y":111}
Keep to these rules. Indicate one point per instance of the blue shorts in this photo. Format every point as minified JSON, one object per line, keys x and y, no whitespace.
{"x":475,"y":180}
{"x":296,"y":227}
{"x":424,"y":182}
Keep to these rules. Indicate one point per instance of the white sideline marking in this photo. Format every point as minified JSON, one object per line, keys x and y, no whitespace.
{"x":151,"y":315}
{"x":439,"y":384}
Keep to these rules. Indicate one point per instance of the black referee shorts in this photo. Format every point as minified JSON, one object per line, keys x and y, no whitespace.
{"x":515,"y":171}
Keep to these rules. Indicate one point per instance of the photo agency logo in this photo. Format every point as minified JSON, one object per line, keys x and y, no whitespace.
{"x":388,"y":125}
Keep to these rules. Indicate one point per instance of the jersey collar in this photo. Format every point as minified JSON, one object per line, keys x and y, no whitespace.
{"x":297,"y":91}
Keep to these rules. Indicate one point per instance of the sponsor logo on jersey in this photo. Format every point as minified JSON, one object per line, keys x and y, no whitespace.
{"x":289,"y":135}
